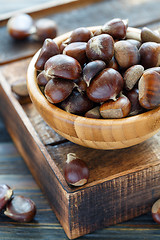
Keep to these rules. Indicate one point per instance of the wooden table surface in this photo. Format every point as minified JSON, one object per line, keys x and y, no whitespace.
{"x":13,"y":170}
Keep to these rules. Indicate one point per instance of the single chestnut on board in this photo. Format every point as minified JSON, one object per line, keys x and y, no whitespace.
{"x":76,"y":171}
{"x":20,"y":26}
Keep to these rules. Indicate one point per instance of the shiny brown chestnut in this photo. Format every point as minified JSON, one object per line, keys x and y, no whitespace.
{"x":5,"y":195}
{"x":76,"y":171}
{"x":132,"y":75}
{"x":134,"y":42}
{"x":149,"y":89}
{"x":77,"y":103}
{"x":92,"y":69}
{"x":58,"y":89}
{"x":126,"y":54}
{"x":81,"y":34}
{"x":147,"y":35}
{"x":77,"y":50}
{"x":133,"y":96}
{"x":63,"y":66}
{"x":116,"y":109}
{"x":100,"y":47}
{"x":20,"y":26}
{"x":156,"y":211}
{"x":21,"y":209}
{"x":81,"y":85}
{"x":42,"y":79}
{"x":149,"y":54}
{"x":106,"y":85}
{"x":48,"y":50}
{"x":45,"y":28}
{"x":116,"y":28}
{"x":113,"y":64}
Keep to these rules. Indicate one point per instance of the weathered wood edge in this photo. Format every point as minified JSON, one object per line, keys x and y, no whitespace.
{"x":57,"y":195}
{"x":115,"y":201}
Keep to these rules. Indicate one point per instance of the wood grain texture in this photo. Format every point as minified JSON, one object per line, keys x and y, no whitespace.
{"x":93,"y":133}
{"x":45,"y":224}
{"x":46,"y":8}
{"x":118,"y":178}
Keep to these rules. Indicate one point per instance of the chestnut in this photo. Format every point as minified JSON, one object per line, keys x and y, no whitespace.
{"x":116,"y":28}
{"x":149,"y":89}
{"x":76,"y":171}
{"x":21,"y":209}
{"x":100,"y":47}
{"x":106,"y":85}
{"x":77,"y":103}
{"x":19,"y":87}
{"x":93,"y":113}
{"x":147,"y":35}
{"x":113,"y":64}
{"x":58,"y":89}
{"x":81,"y":34}
{"x":5,"y":195}
{"x":77,"y":50}
{"x":116,"y":109}
{"x":156,"y":69}
{"x":45,"y":28}
{"x":42,"y":79}
{"x":126,"y":54}
{"x":20,"y":26}
{"x":81,"y":85}
{"x":132,"y":75}
{"x":92,"y":69}
{"x":150,"y":54}
{"x":63,"y":66}
{"x":134,"y":42}
{"x":156,"y":211}
{"x":48,"y":50}
{"x":133,"y":96}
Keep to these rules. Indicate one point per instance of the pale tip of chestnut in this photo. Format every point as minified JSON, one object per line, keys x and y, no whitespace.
{"x":8,"y":194}
{"x":5,"y":195}
{"x":70,"y":157}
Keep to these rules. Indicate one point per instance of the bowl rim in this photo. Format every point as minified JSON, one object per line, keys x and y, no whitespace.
{"x":34,"y":88}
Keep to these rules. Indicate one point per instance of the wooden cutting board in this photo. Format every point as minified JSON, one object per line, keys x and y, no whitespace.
{"x":122,"y":184}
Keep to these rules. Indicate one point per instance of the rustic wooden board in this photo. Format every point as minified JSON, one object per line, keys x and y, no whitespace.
{"x":123,"y":183}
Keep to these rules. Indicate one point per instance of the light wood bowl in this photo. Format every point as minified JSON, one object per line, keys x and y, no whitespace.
{"x":93,"y":133}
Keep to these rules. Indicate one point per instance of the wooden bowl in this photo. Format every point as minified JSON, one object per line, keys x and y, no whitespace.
{"x":93,"y":133}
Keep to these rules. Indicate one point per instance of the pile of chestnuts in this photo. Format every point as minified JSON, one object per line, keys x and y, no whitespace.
{"x":22,"y":26}
{"x":102,"y":74}
{"x":18,"y":208}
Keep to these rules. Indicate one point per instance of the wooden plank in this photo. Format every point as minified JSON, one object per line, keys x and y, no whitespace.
{"x":81,"y":15}
{"x":45,"y":224}
{"x":120,"y":176}
{"x":47,"y":8}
